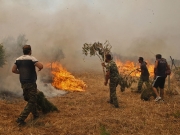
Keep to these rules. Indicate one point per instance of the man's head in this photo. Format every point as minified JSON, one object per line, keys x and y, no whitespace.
{"x":108,"y":57}
{"x":27,"y":49}
{"x":141,"y":59}
{"x":158,"y":56}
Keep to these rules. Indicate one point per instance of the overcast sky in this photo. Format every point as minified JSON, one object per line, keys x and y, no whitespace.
{"x":133,"y":27}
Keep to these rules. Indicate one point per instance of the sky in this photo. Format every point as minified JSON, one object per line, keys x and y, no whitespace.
{"x":133,"y":27}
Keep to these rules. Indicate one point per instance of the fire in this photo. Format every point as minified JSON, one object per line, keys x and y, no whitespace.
{"x":130,"y":67}
{"x":64,"y":80}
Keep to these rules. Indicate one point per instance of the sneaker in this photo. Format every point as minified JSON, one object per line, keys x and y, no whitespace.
{"x":20,"y":122}
{"x":157,"y":99}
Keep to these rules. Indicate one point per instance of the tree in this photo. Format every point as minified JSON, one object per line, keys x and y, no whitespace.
{"x":101,"y":50}
{"x":97,"y":49}
{"x":14,"y":47}
{"x":2,"y":55}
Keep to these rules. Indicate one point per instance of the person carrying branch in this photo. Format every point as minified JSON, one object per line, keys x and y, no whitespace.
{"x":112,"y":74}
{"x":144,"y":77}
{"x":25,"y":67}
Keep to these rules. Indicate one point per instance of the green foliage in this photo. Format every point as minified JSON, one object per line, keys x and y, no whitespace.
{"x":103,"y":130}
{"x":126,"y":82}
{"x":44,"y":105}
{"x":97,"y":48}
{"x":147,"y":93}
{"x":2,"y":55}
{"x":176,"y":114}
{"x":100,"y":50}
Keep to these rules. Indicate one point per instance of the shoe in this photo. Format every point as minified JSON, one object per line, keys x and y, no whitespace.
{"x":20,"y":122}
{"x":157,"y":99}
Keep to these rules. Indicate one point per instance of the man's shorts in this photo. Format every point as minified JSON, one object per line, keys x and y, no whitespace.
{"x":159,"y":82}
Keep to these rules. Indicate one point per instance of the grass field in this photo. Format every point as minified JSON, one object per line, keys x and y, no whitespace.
{"x":88,"y":113}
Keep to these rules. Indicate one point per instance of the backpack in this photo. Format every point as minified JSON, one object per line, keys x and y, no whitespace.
{"x":168,"y":70}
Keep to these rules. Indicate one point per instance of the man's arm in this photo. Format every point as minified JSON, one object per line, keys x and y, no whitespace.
{"x":156,"y":64}
{"x":138,"y":69}
{"x":155,"y":67}
{"x":107,"y":77}
{"x":39,"y":65}
{"x":14,"y":69}
{"x":168,"y":67}
{"x":142,"y":68}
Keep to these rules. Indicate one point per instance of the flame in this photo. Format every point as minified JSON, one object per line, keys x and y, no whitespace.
{"x":64,"y":80}
{"x":130,"y":67}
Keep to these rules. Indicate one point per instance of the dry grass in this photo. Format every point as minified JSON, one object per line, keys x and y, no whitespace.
{"x":88,"y":113}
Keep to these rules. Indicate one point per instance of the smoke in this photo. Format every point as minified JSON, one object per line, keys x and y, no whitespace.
{"x":10,"y":82}
{"x":148,"y":48}
{"x":133,"y":28}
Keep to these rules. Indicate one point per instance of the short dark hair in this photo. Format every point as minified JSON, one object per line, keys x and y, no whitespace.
{"x":108,"y":57}
{"x":141,"y":58}
{"x":158,"y":56}
{"x":26,"y":49}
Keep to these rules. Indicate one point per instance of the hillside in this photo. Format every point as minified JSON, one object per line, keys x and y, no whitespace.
{"x":88,"y":113}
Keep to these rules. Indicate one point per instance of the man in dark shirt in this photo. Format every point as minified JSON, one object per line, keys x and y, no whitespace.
{"x":160,"y":76}
{"x":144,"y":77}
{"x":25,"y":67}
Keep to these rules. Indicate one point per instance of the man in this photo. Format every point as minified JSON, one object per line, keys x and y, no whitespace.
{"x":112,"y":74}
{"x":144,"y":77}
{"x":160,"y":76}
{"x":25,"y":67}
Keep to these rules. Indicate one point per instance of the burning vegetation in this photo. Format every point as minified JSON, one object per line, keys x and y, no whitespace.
{"x":90,"y":109}
{"x":129,"y":68}
{"x":64,"y":80}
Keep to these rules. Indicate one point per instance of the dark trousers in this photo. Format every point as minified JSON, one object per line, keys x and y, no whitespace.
{"x":30,"y":95}
{"x":113,"y":96}
{"x":141,"y":81}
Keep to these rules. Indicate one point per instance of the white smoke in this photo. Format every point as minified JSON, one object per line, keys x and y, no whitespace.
{"x":133,"y":27}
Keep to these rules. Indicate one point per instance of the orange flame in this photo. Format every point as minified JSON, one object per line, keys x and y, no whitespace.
{"x":64,"y":80}
{"x":130,"y":67}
